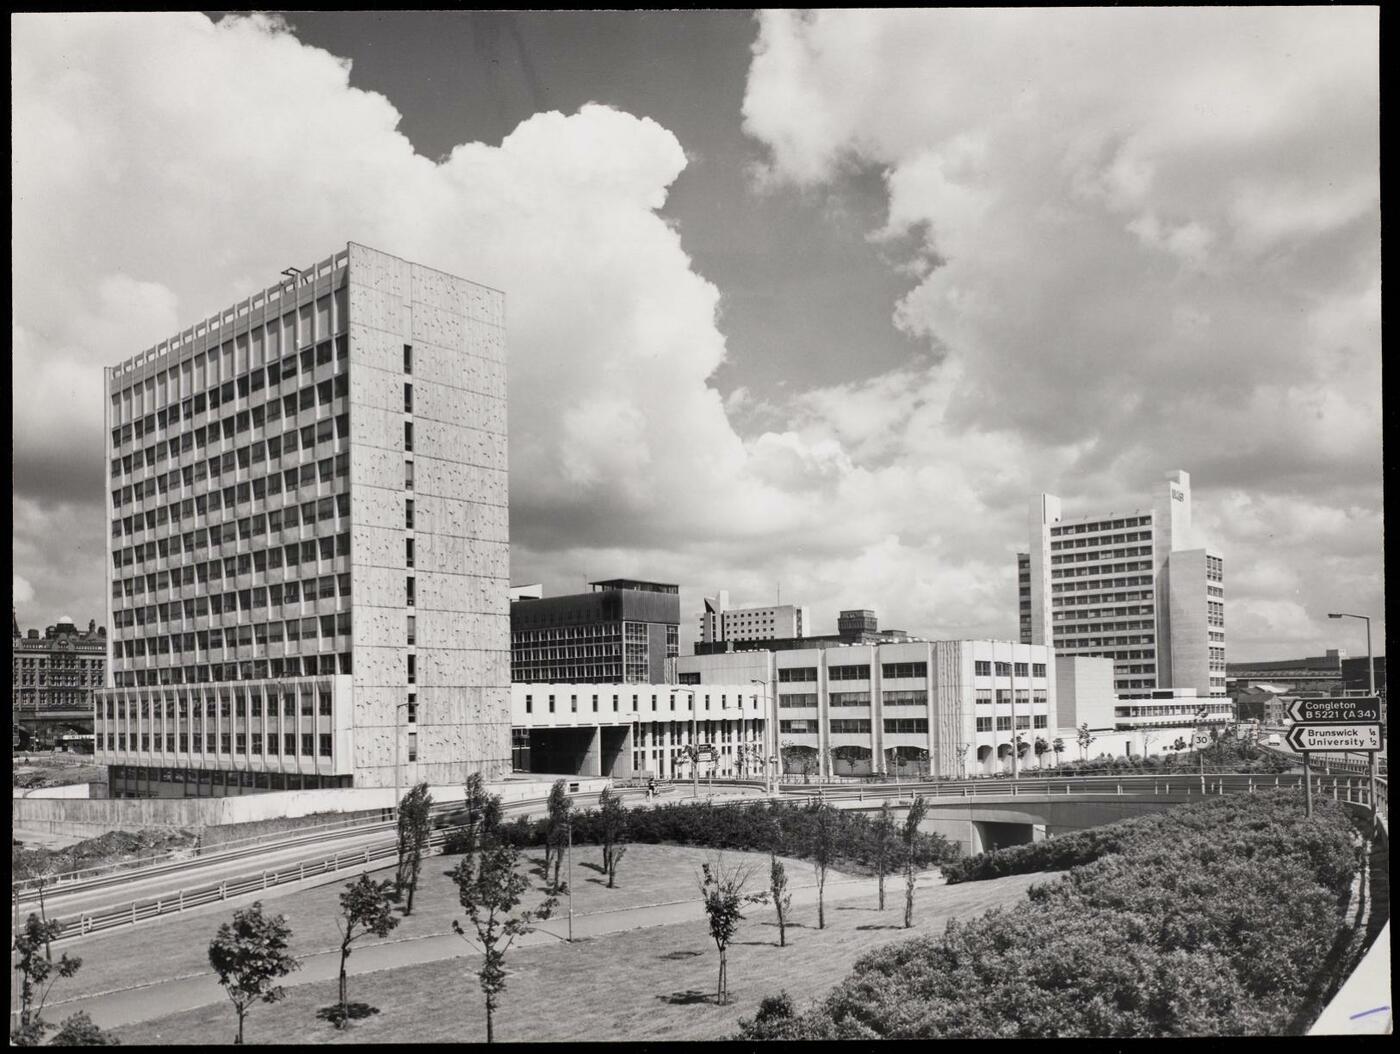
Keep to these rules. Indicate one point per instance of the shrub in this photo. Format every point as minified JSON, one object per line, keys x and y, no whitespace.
{"x":1213,"y":919}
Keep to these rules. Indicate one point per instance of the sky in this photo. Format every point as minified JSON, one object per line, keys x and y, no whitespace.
{"x":800,"y":306}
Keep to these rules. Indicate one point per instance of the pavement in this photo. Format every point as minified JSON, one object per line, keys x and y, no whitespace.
{"x":173,"y":995}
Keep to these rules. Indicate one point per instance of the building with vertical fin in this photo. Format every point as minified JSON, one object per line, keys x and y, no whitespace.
{"x":622,"y":631}
{"x":1135,"y":587}
{"x":308,"y":560}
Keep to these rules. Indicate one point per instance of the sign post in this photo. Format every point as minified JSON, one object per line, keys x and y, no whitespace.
{"x":1338,"y":724}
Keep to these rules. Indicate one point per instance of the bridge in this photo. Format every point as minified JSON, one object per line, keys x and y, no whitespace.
{"x":980,"y":815}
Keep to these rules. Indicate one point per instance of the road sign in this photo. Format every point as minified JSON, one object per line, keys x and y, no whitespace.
{"x":1354,"y":736}
{"x":1331,"y":711}
{"x":705,"y":751}
{"x":1200,"y":739}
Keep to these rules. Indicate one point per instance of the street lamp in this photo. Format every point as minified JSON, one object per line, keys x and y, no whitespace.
{"x":694,"y":751}
{"x":1371,"y":677}
{"x":769,"y":736}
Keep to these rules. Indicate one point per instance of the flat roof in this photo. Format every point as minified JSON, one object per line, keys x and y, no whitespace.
{"x":636,"y":583}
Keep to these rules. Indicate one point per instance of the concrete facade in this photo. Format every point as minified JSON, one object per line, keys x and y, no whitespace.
{"x":624,"y":730}
{"x":945,"y":708}
{"x":354,"y":425}
{"x":1084,"y":691}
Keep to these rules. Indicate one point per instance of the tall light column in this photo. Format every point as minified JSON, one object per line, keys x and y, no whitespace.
{"x":1371,"y":676}
{"x":693,"y":750}
{"x":770,"y":737}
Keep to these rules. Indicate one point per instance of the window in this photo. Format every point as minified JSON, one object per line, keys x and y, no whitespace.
{"x":407,"y":398}
{"x":412,"y":669}
{"x":408,"y":358}
{"x":412,"y":708}
{"x":1004,"y":724}
{"x":982,"y":668}
{"x":408,"y":552}
{"x":849,"y":699}
{"x":797,"y":673}
{"x":906,"y":725}
{"x":413,"y":746}
{"x":984,"y":724}
{"x":1038,"y":669}
{"x":325,"y":744}
{"x":849,"y":673}
{"x":308,"y":744}
{"x":408,"y":435}
{"x":851,"y":726}
{"x":1003,"y":669}
{"x":408,"y":585}
{"x":904,"y":669}
{"x":551,"y":704}
{"x":1022,"y":669}
{"x":529,"y":704}
{"x":408,"y":514}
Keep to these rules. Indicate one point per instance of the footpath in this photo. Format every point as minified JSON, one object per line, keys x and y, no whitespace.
{"x":160,"y":998}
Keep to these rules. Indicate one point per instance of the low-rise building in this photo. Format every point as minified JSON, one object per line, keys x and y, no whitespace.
{"x":624,"y":730}
{"x":942,"y":708}
{"x":720,"y":621}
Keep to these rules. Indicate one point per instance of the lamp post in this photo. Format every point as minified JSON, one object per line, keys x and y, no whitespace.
{"x":1371,"y":679}
{"x":693,"y":750}
{"x":769,"y":735}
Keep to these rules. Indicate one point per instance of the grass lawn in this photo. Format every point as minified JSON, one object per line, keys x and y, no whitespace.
{"x":648,"y":874}
{"x":647,"y":984}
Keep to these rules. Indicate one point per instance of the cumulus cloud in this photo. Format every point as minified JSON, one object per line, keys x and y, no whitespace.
{"x":1145,"y":239}
{"x":1102,"y":247}
{"x":21,"y":592}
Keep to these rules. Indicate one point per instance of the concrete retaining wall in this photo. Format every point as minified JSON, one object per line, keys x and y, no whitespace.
{"x":91,"y":817}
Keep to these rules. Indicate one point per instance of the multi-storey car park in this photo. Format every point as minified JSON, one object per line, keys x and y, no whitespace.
{"x":308,"y":564}
{"x":1135,"y":588}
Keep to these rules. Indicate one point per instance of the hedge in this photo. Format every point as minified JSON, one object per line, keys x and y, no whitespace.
{"x":780,"y":827}
{"x":1214,"y":919}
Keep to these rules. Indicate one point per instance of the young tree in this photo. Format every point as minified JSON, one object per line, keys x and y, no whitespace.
{"x":722,"y":889}
{"x":249,"y":956}
{"x":1085,"y":738}
{"x":483,"y":815}
{"x":366,"y":907}
{"x":782,"y":899}
{"x":557,"y":833}
{"x":79,"y":1031}
{"x":489,"y":889}
{"x":37,"y":975}
{"x":918,"y":809}
{"x":821,"y":848}
{"x":1041,"y":748}
{"x":886,"y":847}
{"x":612,"y":817}
{"x":1059,"y":748}
{"x":962,"y":763}
{"x":415,"y":828}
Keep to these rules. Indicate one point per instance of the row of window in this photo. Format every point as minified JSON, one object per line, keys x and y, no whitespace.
{"x":858,"y":726}
{"x":1101,"y":554}
{"x":636,"y":706}
{"x":1003,"y":724}
{"x":244,"y":670}
{"x":292,"y":631}
{"x":1101,"y":525}
{"x":1117,"y":583}
{"x":242,"y":743}
{"x":1108,"y":539}
{"x":984,"y":668}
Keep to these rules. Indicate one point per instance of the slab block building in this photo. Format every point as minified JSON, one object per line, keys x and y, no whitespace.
{"x":308,"y":564}
{"x":1136,"y":587}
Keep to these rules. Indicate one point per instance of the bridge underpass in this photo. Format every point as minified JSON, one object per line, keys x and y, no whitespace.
{"x":979,"y":819}
{"x":590,"y":750}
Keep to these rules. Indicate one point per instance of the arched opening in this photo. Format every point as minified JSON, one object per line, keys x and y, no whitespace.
{"x":1003,"y":758}
{"x":850,"y":761}
{"x":800,"y":761}
{"x":911,"y":762}
{"x":985,"y":763}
